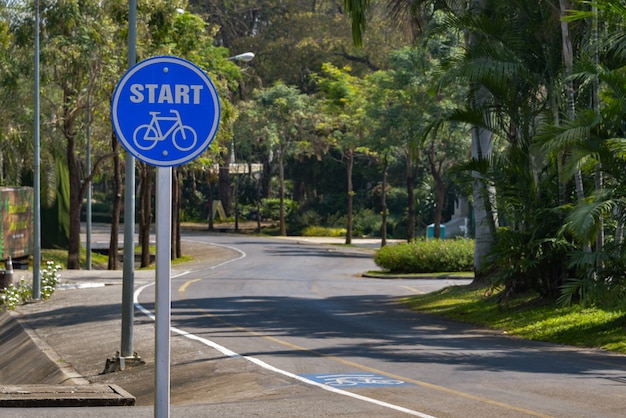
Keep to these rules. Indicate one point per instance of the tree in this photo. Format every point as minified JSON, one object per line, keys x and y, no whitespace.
{"x":293,"y":38}
{"x":512,"y":81}
{"x":445,"y":147}
{"x":282,"y":118}
{"x":347,"y":124}
{"x":73,"y":31}
{"x":404,"y":113}
{"x":167,"y":32}
{"x":419,"y":14}
{"x":594,"y":140}
{"x":14,"y":115}
{"x":381,"y":141}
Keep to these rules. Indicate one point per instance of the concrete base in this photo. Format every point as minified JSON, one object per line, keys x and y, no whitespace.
{"x":118,"y":363}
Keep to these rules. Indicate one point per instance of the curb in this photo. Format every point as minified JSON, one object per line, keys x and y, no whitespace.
{"x":71,"y":376}
{"x":64,"y":386}
{"x":414,"y":277}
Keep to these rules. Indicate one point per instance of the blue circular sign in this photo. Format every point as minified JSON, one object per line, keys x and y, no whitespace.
{"x":165,"y":111}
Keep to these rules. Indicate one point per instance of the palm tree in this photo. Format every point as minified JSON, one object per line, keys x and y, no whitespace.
{"x":417,"y":15}
{"x":596,"y":139}
{"x":512,"y":64}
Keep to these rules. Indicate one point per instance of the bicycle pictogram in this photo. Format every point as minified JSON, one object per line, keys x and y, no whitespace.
{"x":358,"y":379}
{"x":148,"y":135}
{"x":348,"y":380}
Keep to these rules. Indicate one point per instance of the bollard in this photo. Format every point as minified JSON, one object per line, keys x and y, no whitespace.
{"x":8,"y":274}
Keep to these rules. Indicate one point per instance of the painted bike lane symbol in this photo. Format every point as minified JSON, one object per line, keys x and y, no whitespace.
{"x":147,"y":136}
{"x":346,"y":380}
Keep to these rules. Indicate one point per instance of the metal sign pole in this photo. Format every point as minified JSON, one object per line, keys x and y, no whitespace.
{"x":163,"y":291}
{"x":187,"y":97}
{"x":128,"y":274}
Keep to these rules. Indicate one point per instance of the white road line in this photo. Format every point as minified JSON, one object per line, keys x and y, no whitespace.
{"x":225,"y":351}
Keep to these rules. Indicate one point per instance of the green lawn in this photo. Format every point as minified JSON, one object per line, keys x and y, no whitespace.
{"x":528,"y":317}
{"x":98,"y":261}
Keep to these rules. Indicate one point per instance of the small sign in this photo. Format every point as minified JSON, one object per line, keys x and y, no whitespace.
{"x":165,"y":111}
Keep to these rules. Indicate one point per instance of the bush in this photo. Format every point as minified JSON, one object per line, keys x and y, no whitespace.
{"x":323,"y":231}
{"x":427,"y":256}
{"x":367,"y":223}
{"x":15,"y":295}
{"x":271,"y":208}
{"x":298,"y":221}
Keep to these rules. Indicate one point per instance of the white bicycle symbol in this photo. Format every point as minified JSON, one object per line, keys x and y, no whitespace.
{"x":146,"y":136}
{"x":354,"y":380}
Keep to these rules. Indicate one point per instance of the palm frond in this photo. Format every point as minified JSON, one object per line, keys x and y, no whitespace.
{"x":585,"y":220}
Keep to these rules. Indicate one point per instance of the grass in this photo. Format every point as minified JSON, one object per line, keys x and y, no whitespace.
{"x":98,"y":261}
{"x":529,"y":317}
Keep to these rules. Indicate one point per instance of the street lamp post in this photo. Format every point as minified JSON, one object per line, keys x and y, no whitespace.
{"x":37,"y":169}
{"x":89,"y":188}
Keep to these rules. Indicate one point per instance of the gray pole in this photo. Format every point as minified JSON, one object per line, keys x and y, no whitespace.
{"x":89,"y":191}
{"x":163,"y":292}
{"x":36,"y":180}
{"x":129,"y":212}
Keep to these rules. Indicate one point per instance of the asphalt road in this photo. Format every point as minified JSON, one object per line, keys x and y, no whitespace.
{"x":304,"y":312}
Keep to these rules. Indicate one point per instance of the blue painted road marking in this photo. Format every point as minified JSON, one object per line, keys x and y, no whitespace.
{"x":351,"y":380}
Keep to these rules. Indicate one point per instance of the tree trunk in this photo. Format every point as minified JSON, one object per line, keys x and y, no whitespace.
{"x":349,"y":167}
{"x":440,"y":192}
{"x":281,"y":177}
{"x":224,"y":189}
{"x":117,"y":204}
{"x":410,"y":181}
{"x":383,"y":202}
{"x":145,"y":212}
{"x":73,"y":253}
{"x":484,"y":218}
{"x":568,"y":63}
{"x":210,"y":203}
{"x":595,"y":44}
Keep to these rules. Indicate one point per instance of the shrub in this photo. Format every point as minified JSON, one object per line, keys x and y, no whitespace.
{"x":15,"y":295}
{"x":271,"y":207}
{"x":322,"y":231}
{"x":367,"y":222}
{"x":49,"y":279}
{"x":301,"y":220}
{"x":427,"y":256}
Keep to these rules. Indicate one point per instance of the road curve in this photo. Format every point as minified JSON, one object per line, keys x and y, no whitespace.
{"x":305,"y":311}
